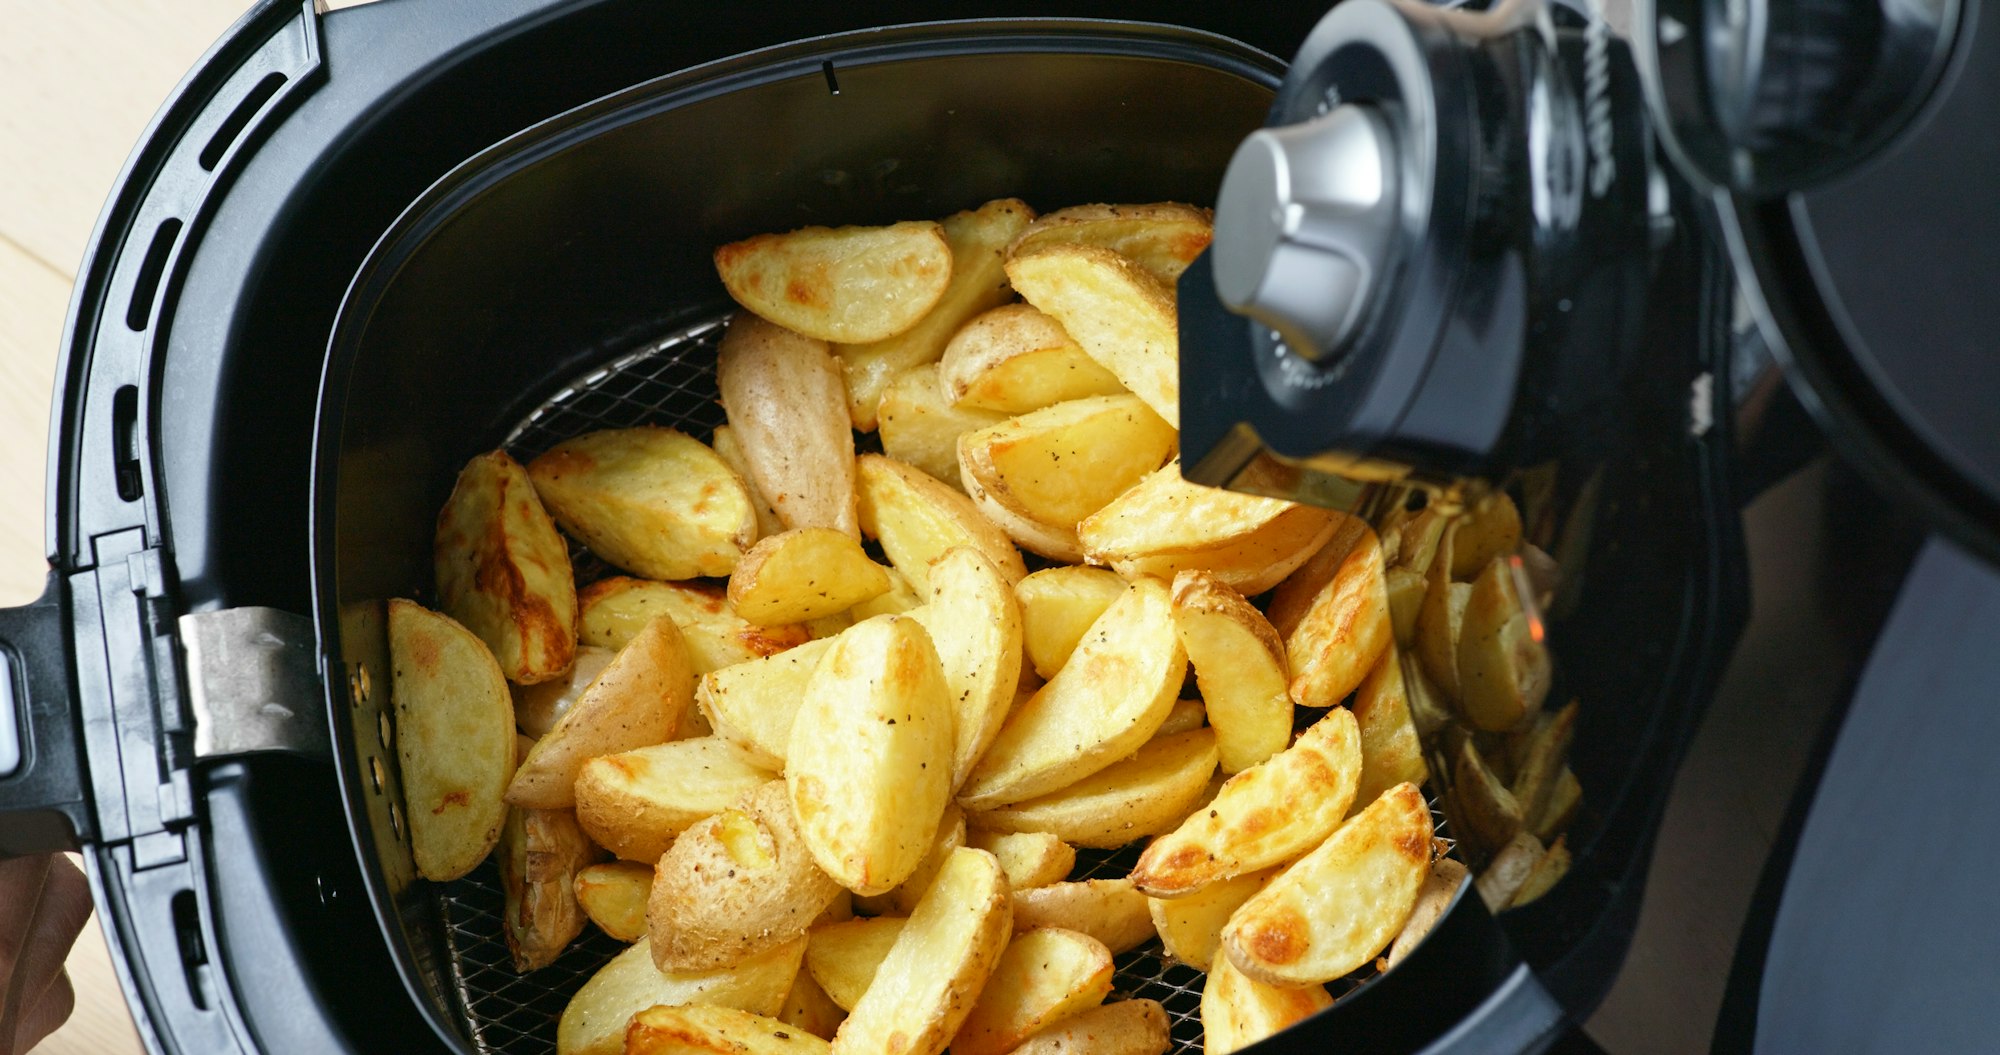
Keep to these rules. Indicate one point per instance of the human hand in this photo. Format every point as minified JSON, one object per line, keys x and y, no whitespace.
{"x":44,"y":901}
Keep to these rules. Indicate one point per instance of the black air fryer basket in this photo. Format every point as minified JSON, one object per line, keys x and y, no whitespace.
{"x":262,"y":415}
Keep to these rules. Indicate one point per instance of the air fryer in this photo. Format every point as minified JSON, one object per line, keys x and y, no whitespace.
{"x":358,"y":247}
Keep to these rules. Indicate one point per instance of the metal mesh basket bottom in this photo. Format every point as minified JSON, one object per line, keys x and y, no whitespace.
{"x":671,"y":381}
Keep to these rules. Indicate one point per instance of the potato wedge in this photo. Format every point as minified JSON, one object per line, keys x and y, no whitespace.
{"x":616,"y":609}
{"x":802,"y":574}
{"x":540,"y":854}
{"x":903,"y":900}
{"x":1110,"y":910}
{"x":787,"y":407}
{"x":1509,"y":871}
{"x":1546,"y":873}
{"x":1446,"y":877}
{"x":1406,"y":601}
{"x":1391,"y":753}
{"x":1163,"y":238}
{"x":723,"y":443}
{"x":1130,"y":799}
{"x":1191,"y":927}
{"x":1542,"y":753}
{"x":1440,"y":622}
{"x":920,"y":426}
{"x":975,"y":624}
{"x":1503,"y":667}
{"x":1058,"y":606}
{"x":927,"y":984}
{"x":454,"y":737}
{"x":1238,"y":1010}
{"x":635,"y":802}
{"x":639,"y":700}
{"x":1239,"y":662}
{"x":595,"y":1020}
{"x":869,"y":763}
{"x":1128,"y":1027}
{"x":809,"y":1008}
{"x":754,"y":704}
{"x":1561,"y":808}
{"x":1165,"y":525}
{"x":850,"y":284}
{"x":917,"y":518}
{"x":613,"y":895}
{"x":537,"y":707}
{"x":1429,"y":711}
{"x":1040,"y":474}
{"x":1030,"y":859}
{"x":1187,"y":716}
{"x":1341,"y":904}
{"x":1343,"y":628}
{"x":1044,"y":977}
{"x":1489,"y":530}
{"x":1014,"y":359}
{"x":735,"y":885}
{"x":843,"y":957}
{"x":653,"y":501}
{"x":1422,"y":535}
{"x":1120,"y":314}
{"x":899,"y":598}
{"x":503,"y":572}
{"x":977,"y":238}
{"x":1269,"y":813}
{"x":696,"y":1029}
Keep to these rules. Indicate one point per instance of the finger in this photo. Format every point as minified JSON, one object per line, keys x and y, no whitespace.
{"x":48,"y":1014}
{"x":59,"y":915}
{"x":21,"y":880}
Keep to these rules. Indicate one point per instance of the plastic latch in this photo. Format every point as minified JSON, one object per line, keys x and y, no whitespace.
{"x":10,"y":718}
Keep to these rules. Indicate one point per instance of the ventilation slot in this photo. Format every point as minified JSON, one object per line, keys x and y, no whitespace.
{"x":239,"y":119}
{"x":125,"y":442}
{"x":141,"y":309}
{"x":194,"y":952}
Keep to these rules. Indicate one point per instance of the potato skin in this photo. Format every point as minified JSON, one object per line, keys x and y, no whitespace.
{"x":541,"y":852}
{"x":787,"y":409}
{"x":504,"y":573}
{"x":1128,"y":1027}
{"x":454,"y":737}
{"x":639,"y":700}
{"x":654,"y":501}
{"x":852,"y":284}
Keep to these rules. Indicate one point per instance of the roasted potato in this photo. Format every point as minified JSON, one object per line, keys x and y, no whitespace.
{"x":1106,"y":701}
{"x":1406,"y":601}
{"x":1014,"y":359}
{"x":635,"y":802}
{"x":696,"y":1029}
{"x":1128,"y":1027}
{"x":1239,"y":662}
{"x":787,"y":408}
{"x":1044,"y":977}
{"x":1120,"y":314}
{"x":723,"y":443}
{"x":537,"y":707}
{"x":1542,"y":751}
{"x":1058,"y":606}
{"x":1503,"y":667}
{"x":903,"y":900}
{"x":613,"y":895}
{"x":843,"y":957}
{"x":1548,"y":870}
{"x":1191,"y":927}
{"x":1341,"y":624}
{"x":1438,"y":891}
{"x":735,"y":885}
{"x":1429,"y":711}
{"x":454,"y":736}
{"x":1238,"y":1010}
{"x":540,"y":853}
{"x":917,"y":518}
{"x":1440,"y":621}
{"x":639,"y":700}
{"x":1040,"y":474}
{"x":1561,"y":808}
{"x":1490,"y":529}
{"x":921,"y":427}
{"x":1132,"y":798}
{"x":1270,"y":813}
{"x":1391,"y":752}
{"x":975,"y":625}
{"x":503,"y":572}
{"x":1165,"y":525}
{"x":1509,"y":871}
{"x":1163,"y":238}
{"x":927,"y":984}
{"x":850,"y":284}
{"x":1030,"y":859}
{"x":869,"y":764}
{"x":595,"y":1020}
{"x":1341,"y":904}
{"x":977,"y":237}
{"x":1187,"y":716}
{"x":616,"y":609}
{"x":809,"y":1008}
{"x":1110,"y":910}
{"x":653,"y":501}
{"x":1419,"y":538}
{"x":754,"y":704}
{"x":802,"y":574}
{"x":899,"y":598}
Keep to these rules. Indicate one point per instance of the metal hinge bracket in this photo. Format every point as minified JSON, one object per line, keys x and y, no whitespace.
{"x":253,"y":683}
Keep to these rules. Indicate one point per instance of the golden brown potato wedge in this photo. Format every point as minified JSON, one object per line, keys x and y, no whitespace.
{"x":1391,"y":753}
{"x":809,"y":1008}
{"x":1548,"y":870}
{"x":974,"y":623}
{"x":1341,"y":904}
{"x":899,"y":598}
{"x":1014,"y":359}
{"x":1269,"y":813}
{"x":1406,"y":600}
{"x":1561,"y":808}
{"x":1191,"y":927}
{"x":927,"y":984}
{"x":1187,"y":716}
{"x":788,"y":411}
{"x":1046,"y":976}
{"x":1440,"y":621}
{"x":1446,"y":877}
{"x":1239,"y":662}
{"x":1106,"y":701}
{"x":843,"y":957}
{"x":1040,"y":474}
{"x":595,"y":1020}
{"x":1429,"y":711}
{"x":538,"y":706}
{"x":696,"y":1029}
{"x":1238,"y":1010}
{"x":540,"y":853}
{"x":1489,"y":530}
{"x":921,"y":427}
{"x":1343,"y":628}
{"x":635,"y":802}
{"x":654,"y":501}
{"x":613,"y":895}
{"x":1058,"y":605}
{"x":1485,"y":807}
{"x":1542,"y":752}
{"x":735,"y":885}
{"x":1110,"y":910}
{"x":916,"y":518}
{"x":1130,"y":799}
{"x":1165,"y":525}
{"x":1420,"y":537}
{"x":639,"y":700}
{"x":754,"y":704}
{"x":1509,"y":871}
{"x":903,"y":900}
{"x":1503,"y":667}
{"x":616,"y":609}
{"x":977,"y":237}
{"x":850,"y":284}
{"x":1120,"y":314}
{"x":723,"y":443}
{"x":503,"y":572}
{"x":1163,"y":237}
{"x":454,"y":736}
{"x":1128,"y":1027}
{"x":803,"y":574}
{"x":869,"y":763}
{"x":1030,"y":859}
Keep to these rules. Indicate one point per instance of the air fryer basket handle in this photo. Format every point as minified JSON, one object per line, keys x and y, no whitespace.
{"x":44,"y":804}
